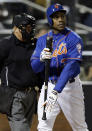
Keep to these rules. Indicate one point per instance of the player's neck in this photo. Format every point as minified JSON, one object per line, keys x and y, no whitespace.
{"x":55,"y":31}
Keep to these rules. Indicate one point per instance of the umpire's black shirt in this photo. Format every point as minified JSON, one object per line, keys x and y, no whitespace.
{"x":15,"y":61}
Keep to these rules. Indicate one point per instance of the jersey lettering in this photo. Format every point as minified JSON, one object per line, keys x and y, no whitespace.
{"x":62,"y":50}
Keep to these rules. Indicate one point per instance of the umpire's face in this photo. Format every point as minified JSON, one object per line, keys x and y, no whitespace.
{"x":23,"y":33}
{"x":59,"y":21}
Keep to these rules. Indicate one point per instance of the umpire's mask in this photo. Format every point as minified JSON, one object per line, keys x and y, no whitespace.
{"x":26,"y":23}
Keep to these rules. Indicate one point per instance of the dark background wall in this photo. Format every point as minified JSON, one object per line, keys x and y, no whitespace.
{"x":88,"y":105}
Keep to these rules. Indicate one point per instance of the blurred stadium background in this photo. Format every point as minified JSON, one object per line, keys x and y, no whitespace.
{"x":79,"y":18}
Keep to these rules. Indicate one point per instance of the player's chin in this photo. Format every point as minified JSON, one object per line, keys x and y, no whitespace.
{"x":60,"y":28}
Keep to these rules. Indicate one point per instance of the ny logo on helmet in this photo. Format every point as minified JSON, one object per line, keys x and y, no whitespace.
{"x":56,"y":6}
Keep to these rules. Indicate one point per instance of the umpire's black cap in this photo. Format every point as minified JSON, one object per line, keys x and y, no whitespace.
{"x":23,"y":19}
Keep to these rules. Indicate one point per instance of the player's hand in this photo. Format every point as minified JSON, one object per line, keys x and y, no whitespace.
{"x":45,"y":54}
{"x":50,"y":102}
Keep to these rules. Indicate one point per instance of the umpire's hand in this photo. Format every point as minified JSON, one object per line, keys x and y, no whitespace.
{"x":50,"y":102}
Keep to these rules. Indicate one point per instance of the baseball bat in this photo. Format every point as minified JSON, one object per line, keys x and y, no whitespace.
{"x":47,"y":68}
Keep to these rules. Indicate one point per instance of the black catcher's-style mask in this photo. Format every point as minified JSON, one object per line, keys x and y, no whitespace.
{"x":21,"y":21}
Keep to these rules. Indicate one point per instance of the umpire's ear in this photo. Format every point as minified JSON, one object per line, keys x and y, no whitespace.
{"x":14,"y":28}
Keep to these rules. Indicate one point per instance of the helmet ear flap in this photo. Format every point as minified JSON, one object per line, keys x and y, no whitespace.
{"x":50,"y":21}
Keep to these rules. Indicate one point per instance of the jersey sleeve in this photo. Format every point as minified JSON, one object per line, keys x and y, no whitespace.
{"x":71,"y":70}
{"x":36,"y":64}
{"x":74,"y":50}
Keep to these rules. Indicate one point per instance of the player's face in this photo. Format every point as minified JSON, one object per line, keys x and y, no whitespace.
{"x":59,"y":21}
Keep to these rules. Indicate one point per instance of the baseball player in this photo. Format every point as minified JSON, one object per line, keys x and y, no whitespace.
{"x":64,"y":87}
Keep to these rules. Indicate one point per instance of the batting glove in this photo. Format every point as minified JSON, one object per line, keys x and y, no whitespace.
{"x":45,"y":54}
{"x":50,"y":102}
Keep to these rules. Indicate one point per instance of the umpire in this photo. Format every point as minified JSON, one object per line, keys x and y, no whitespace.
{"x":17,"y":94}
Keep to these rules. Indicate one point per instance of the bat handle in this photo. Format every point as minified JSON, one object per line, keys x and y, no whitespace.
{"x":45,"y":97}
{"x":44,"y":116}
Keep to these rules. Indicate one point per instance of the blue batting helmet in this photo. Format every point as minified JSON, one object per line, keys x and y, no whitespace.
{"x":52,"y":9}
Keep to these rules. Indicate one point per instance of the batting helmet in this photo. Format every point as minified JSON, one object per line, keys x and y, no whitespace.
{"x":52,"y":9}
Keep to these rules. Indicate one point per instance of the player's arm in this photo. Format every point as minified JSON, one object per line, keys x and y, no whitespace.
{"x":71,"y":70}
